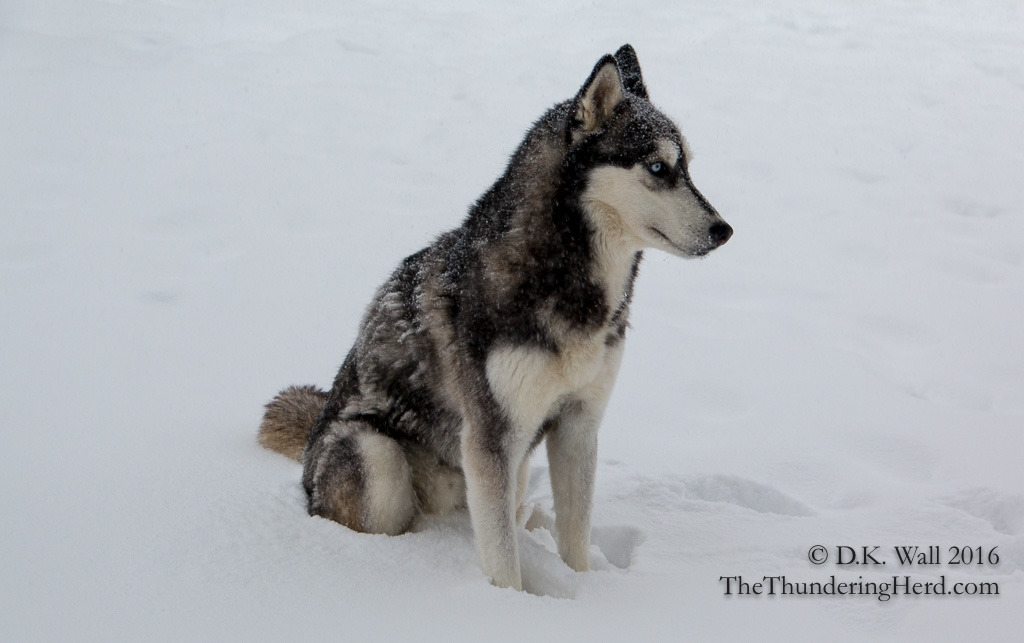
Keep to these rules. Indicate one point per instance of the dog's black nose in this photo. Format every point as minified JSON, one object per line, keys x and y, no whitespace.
{"x":720,"y":233}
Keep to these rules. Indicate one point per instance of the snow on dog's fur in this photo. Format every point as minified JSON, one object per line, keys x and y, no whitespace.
{"x":505,"y":332}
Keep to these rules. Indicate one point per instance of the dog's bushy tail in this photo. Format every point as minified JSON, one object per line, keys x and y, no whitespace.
{"x":289,"y":419}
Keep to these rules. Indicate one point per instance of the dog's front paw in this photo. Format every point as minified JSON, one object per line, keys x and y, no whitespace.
{"x":578,"y":559}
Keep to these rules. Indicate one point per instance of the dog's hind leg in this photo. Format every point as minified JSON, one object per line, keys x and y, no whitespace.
{"x":439,"y":488}
{"x":359,"y":478}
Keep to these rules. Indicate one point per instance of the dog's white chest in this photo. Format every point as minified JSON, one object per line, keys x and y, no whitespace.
{"x":529,"y":381}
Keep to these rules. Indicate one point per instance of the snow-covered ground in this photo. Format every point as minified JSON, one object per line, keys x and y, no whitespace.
{"x":198,"y":198}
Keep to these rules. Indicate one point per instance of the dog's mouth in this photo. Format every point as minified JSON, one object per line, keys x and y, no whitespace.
{"x":664,"y":237}
{"x":690,"y":252}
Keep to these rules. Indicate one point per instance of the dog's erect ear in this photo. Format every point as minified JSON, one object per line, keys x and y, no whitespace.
{"x":629,"y":67}
{"x":599,"y":96}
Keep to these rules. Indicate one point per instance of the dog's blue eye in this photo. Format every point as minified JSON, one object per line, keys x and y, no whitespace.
{"x":656,"y":167}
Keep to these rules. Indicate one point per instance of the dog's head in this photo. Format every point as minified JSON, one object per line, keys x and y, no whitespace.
{"x":636,"y":179}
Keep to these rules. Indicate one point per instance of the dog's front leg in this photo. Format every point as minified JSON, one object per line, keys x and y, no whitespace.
{"x":572,"y":460}
{"x":523,"y":385}
{"x":491,"y":494}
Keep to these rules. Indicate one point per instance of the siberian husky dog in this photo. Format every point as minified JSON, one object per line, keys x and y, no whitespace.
{"x":504,"y":333}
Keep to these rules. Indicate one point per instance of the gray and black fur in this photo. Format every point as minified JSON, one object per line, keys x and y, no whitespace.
{"x":504,"y":332}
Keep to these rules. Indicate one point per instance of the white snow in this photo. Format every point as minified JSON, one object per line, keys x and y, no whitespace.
{"x":197,"y":199}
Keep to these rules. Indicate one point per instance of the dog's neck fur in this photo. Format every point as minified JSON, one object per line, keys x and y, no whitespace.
{"x":595,"y":247}
{"x":616,"y":254}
